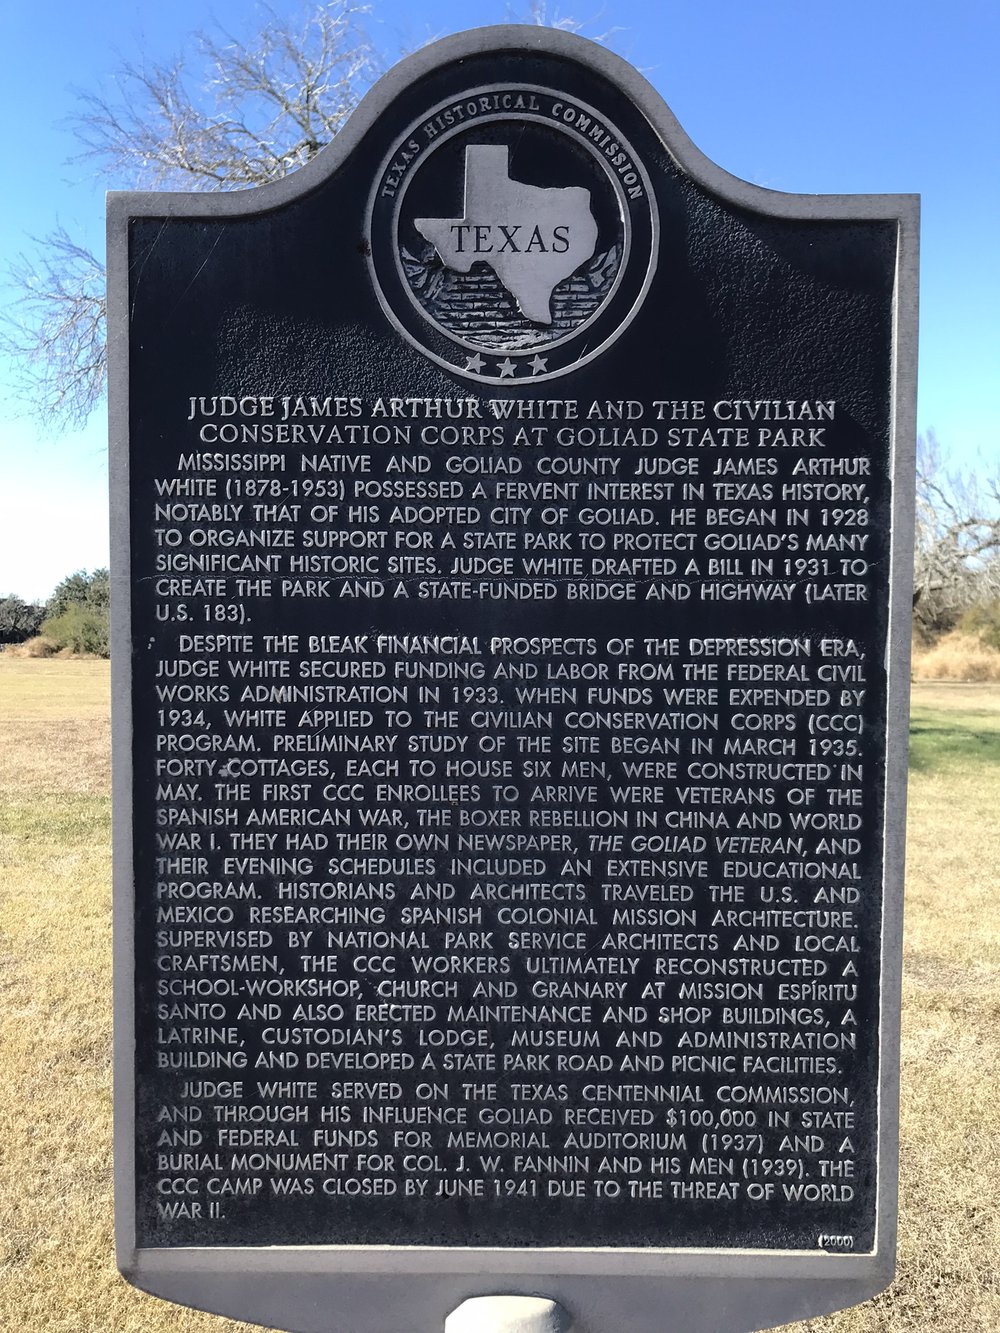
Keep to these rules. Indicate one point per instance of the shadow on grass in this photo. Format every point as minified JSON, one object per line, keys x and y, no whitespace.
{"x":936,"y":744}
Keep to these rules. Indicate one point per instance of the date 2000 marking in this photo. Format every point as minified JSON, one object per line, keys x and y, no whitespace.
{"x":826,"y":1242}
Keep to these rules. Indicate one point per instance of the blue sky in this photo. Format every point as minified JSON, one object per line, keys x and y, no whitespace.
{"x":797,"y":95}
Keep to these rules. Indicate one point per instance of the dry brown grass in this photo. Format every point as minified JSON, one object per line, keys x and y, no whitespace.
{"x":57,"y":1272}
{"x":957,"y":657}
{"x":949,"y":1238}
{"x":39,"y":646}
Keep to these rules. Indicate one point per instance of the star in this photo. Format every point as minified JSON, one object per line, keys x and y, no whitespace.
{"x":539,"y":364}
{"x":475,"y":363}
{"x":506,"y":368}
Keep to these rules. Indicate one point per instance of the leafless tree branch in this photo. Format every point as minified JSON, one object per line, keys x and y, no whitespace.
{"x":543,"y":15}
{"x":235,"y":114}
{"x":55,"y":329}
{"x":957,"y":539}
{"x":249,"y":113}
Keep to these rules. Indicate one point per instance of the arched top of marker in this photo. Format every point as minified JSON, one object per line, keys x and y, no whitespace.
{"x":526,"y":42}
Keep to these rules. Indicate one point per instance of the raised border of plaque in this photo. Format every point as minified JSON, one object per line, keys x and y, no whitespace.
{"x":385,"y":1289}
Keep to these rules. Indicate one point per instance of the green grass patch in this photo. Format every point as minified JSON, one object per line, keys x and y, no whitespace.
{"x":941,"y":739}
{"x":64,"y":822}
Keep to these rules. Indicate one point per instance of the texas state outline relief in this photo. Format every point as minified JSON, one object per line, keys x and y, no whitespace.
{"x":531,"y":237}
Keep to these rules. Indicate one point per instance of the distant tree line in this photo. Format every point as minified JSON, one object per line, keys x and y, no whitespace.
{"x":19,"y":620}
{"x":75,"y":619}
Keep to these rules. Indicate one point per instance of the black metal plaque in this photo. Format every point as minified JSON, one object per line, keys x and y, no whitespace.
{"x":507,"y":577}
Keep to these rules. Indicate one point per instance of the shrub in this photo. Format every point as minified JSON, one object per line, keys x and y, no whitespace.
{"x":959,"y":657}
{"x":80,"y":629}
{"x":77,"y":615}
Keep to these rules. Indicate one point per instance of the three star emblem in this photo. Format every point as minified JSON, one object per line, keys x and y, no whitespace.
{"x":507,"y":368}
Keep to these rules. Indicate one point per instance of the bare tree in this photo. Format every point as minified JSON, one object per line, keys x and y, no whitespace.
{"x":232,"y":114}
{"x":957,"y":540}
{"x":540,"y":15}
{"x":56,"y":329}
{"x":253,"y":112}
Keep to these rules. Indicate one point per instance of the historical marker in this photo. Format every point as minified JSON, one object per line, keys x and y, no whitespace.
{"x":512,"y":555}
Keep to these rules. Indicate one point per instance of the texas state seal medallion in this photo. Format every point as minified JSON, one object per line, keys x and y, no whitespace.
{"x":512,"y":234}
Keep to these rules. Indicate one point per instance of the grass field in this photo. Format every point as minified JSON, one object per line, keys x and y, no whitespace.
{"x":57,"y":1271}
